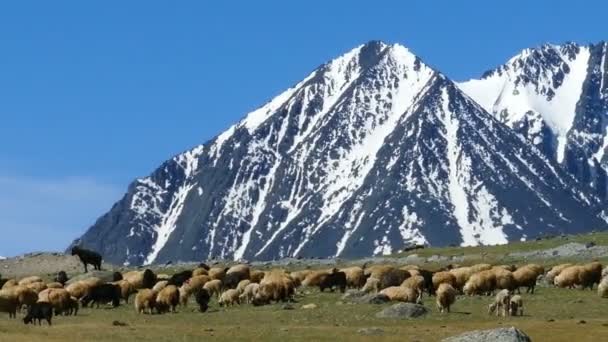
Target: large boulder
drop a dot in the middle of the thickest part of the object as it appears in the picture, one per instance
(403, 311)
(106, 276)
(511, 334)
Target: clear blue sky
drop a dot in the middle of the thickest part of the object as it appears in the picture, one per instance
(96, 93)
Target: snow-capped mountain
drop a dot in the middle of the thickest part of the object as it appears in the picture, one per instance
(557, 97)
(371, 152)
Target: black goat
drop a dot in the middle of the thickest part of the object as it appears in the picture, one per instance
(39, 311)
(87, 257)
(180, 278)
(334, 279)
(61, 277)
(102, 294)
(202, 299)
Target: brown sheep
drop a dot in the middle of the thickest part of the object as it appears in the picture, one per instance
(415, 282)
(73, 307)
(77, 289)
(461, 275)
(444, 277)
(8, 303)
(590, 275)
(377, 271)
(229, 298)
(315, 277)
(504, 279)
(197, 282)
(126, 289)
(536, 268)
(160, 285)
(217, 273)
(25, 295)
(299, 276)
(141, 279)
(355, 278)
(242, 269)
(568, 277)
(480, 267)
(525, 277)
(199, 271)
(60, 299)
(402, 294)
(29, 280)
(145, 300)
(54, 285)
(276, 286)
(214, 287)
(162, 276)
(37, 286)
(256, 276)
(10, 283)
(241, 286)
(92, 282)
(602, 288)
(446, 296)
(555, 271)
(190, 287)
(167, 299)
(480, 283)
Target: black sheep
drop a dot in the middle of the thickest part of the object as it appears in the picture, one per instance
(61, 277)
(149, 279)
(117, 276)
(204, 266)
(180, 278)
(202, 298)
(334, 279)
(39, 311)
(87, 257)
(232, 280)
(393, 277)
(102, 294)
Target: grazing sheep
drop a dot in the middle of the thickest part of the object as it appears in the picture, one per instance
(555, 271)
(180, 278)
(480, 267)
(160, 285)
(298, 276)
(25, 295)
(87, 257)
(73, 307)
(61, 277)
(536, 268)
(516, 306)
(502, 301)
(229, 298)
(590, 275)
(202, 299)
(446, 296)
(393, 277)
(167, 299)
(525, 277)
(249, 293)
(276, 286)
(335, 279)
(377, 271)
(355, 277)
(402, 294)
(37, 287)
(145, 300)
(256, 276)
(480, 283)
(92, 282)
(242, 284)
(59, 298)
(30, 280)
(117, 276)
(39, 312)
(243, 271)
(461, 276)
(199, 271)
(314, 277)
(415, 282)
(214, 287)
(372, 285)
(509, 268)
(443, 277)
(10, 283)
(54, 285)
(504, 279)
(102, 294)
(217, 273)
(126, 289)
(141, 279)
(568, 277)
(78, 289)
(162, 277)
(8, 303)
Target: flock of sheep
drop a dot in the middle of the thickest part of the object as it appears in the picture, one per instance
(240, 284)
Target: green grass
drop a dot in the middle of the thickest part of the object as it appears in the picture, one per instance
(551, 314)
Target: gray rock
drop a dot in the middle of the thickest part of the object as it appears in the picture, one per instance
(359, 297)
(371, 331)
(105, 276)
(403, 311)
(511, 334)
(287, 306)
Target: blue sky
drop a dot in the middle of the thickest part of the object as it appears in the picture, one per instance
(94, 94)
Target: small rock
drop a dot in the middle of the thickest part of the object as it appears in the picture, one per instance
(550, 320)
(119, 324)
(284, 329)
(287, 306)
(590, 244)
(403, 311)
(371, 331)
(495, 335)
(309, 306)
(209, 329)
(582, 321)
